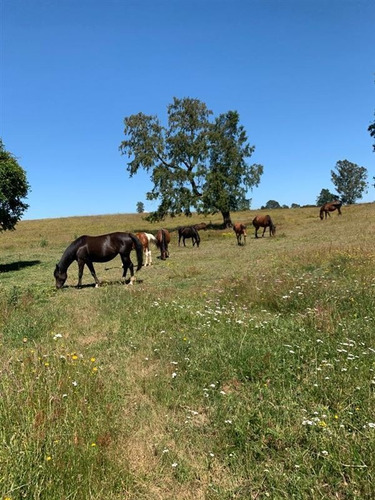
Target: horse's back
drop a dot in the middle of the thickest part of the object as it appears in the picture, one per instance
(239, 228)
(262, 220)
(163, 233)
(201, 225)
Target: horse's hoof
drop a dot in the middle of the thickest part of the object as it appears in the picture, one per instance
(97, 285)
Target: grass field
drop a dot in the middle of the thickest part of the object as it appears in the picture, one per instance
(225, 372)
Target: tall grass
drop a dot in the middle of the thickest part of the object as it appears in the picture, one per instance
(224, 372)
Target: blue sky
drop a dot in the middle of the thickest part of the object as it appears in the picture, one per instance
(301, 74)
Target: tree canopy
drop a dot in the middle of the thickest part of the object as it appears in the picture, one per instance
(195, 163)
(13, 188)
(325, 196)
(271, 204)
(350, 180)
(140, 207)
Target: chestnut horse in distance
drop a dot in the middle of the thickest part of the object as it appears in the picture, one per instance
(330, 207)
(264, 221)
(240, 231)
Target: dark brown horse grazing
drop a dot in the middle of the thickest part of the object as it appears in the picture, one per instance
(185, 232)
(240, 230)
(330, 207)
(264, 221)
(89, 249)
(163, 238)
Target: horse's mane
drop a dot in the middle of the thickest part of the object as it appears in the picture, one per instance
(70, 253)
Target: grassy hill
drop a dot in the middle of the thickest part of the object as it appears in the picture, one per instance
(224, 372)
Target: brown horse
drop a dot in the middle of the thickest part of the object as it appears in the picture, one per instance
(147, 239)
(330, 207)
(185, 232)
(201, 225)
(264, 221)
(240, 231)
(163, 238)
(89, 249)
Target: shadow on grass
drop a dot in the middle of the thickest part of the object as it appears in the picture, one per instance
(106, 283)
(16, 266)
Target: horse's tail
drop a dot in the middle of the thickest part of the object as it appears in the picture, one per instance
(139, 250)
(163, 244)
(151, 239)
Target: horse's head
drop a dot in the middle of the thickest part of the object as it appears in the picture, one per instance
(273, 230)
(60, 276)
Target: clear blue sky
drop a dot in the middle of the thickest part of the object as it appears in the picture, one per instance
(299, 72)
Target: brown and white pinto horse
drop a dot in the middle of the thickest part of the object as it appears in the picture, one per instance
(147, 239)
(163, 238)
(240, 230)
(264, 221)
(330, 207)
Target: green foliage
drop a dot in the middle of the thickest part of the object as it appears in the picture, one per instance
(325, 196)
(13, 187)
(140, 207)
(271, 204)
(350, 181)
(195, 164)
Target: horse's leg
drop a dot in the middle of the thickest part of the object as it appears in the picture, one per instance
(264, 230)
(339, 210)
(183, 240)
(81, 265)
(92, 271)
(150, 256)
(256, 232)
(128, 264)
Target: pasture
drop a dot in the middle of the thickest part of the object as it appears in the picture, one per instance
(224, 372)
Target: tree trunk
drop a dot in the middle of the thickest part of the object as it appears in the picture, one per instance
(227, 221)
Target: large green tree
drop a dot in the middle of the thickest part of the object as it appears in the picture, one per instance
(13, 188)
(325, 196)
(350, 180)
(195, 163)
